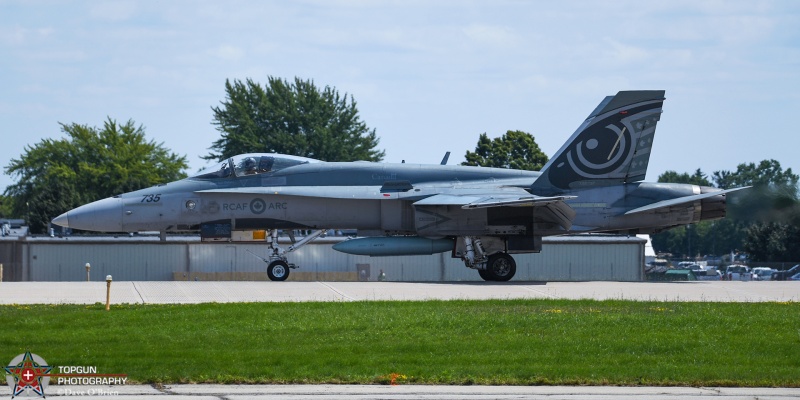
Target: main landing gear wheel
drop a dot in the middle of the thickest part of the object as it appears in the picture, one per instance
(278, 270)
(500, 267)
(484, 275)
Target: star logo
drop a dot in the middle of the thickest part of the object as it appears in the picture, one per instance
(28, 372)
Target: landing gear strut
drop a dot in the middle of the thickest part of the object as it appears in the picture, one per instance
(278, 265)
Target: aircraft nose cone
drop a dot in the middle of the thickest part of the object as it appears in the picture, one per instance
(62, 220)
(102, 215)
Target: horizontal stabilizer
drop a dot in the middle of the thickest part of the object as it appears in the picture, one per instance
(681, 200)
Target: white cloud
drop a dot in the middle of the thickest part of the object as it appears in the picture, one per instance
(13, 35)
(113, 11)
(227, 53)
(448, 69)
(617, 54)
(491, 36)
(19, 36)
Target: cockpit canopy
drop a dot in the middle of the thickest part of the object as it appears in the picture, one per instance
(252, 164)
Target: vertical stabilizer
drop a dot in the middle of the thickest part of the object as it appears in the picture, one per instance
(611, 147)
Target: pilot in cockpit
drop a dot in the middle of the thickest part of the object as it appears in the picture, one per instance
(249, 166)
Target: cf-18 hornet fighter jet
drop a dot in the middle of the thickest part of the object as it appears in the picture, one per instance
(480, 215)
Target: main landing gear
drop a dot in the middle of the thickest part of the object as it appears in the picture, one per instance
(278, 265)
(498, 267)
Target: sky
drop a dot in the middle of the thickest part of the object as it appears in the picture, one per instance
(428, 76)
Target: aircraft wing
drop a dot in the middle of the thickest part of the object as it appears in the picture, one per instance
(548, 209)
(680, 200)
(487, 200)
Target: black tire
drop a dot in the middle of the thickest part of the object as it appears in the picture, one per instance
(501, 267)
(278, 270)
(484, 275)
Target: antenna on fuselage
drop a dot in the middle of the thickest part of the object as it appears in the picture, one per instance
(446, 157)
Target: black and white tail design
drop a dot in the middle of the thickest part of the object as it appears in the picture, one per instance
(611, 147)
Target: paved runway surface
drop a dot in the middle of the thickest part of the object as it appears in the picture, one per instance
(226, 292)
(199, 292)
(364, 392)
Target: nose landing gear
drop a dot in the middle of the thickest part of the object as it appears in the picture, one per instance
(278, 266)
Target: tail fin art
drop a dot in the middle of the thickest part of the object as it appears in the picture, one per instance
(611, 147)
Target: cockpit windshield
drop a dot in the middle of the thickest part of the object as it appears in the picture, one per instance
(221, 170)
(252, 164)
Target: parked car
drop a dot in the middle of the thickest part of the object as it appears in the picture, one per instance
(763, 274)
(737, 273)
(690, 265)
(710, 274)
(784, 275)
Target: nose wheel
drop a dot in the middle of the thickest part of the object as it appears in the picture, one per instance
(278, 265)
(278, 270)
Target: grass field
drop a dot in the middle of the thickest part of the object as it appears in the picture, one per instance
(514, 342)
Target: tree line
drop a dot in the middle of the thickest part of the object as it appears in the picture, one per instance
(763, 221)
(299, 118)
(92, 163)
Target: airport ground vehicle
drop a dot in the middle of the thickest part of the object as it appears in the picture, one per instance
(737, 273)
(763, 274)
(784, 275)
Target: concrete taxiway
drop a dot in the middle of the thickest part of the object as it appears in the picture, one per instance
(199, 292)
(228, 292)
(359, 392)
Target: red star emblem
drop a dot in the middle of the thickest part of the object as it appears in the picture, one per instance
(28, 374)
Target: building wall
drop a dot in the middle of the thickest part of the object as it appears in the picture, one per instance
(562, 259)
(125, 262)
(13, 254)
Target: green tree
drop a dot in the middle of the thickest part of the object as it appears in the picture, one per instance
(773, 241)
(698, 178)
(291, 118)
(763, 220)
(769, 212)
(690, 240)
(766, 173)
(515, 149)
(54, 176)
(5, 207)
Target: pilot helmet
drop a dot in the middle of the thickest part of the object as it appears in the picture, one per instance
(249, 164)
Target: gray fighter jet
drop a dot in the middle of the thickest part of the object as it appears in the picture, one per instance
(480, 215)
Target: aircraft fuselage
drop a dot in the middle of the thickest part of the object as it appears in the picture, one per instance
(189, 203)
(592, 184)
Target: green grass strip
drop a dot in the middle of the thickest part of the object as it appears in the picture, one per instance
(509, 342)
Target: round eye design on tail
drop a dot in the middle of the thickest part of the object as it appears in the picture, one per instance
(600, 152)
